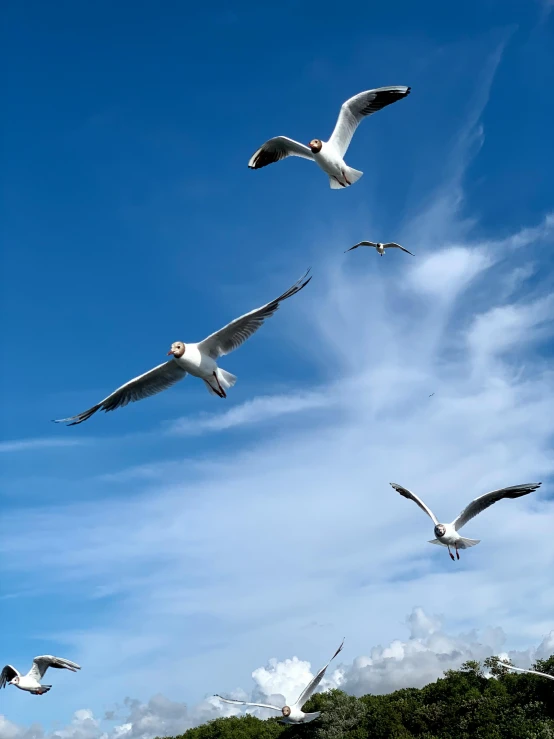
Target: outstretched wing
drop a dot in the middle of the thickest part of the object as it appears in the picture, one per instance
(311, 688)
(394, 245)
(360, 106)
(235, 333)
(412, 496)
(276, 149)
(246, 703)
(528, 672)
(361, 243)
(484, 501)
(160, 378)
(7, 674)
(42, 663)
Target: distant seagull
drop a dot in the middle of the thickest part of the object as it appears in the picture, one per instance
(528, 672)
(329, 154)
(431, 395)
(447, 533)
(293, 714)
(31, 681)
(380, 247)
(198, 360)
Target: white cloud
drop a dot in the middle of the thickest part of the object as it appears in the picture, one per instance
(24, 445)
(261, 409)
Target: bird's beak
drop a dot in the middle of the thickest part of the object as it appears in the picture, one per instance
(169, 352)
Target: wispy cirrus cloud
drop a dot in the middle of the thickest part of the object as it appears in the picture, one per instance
(25, 445)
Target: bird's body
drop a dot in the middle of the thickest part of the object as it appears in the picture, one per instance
(329, 155)
(293, 714)
(447, 533)
(380, 247)
(196, 359)
(31, 682)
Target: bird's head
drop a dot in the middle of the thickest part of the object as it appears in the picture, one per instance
(285, 711)
(177, 349)
(315, 145)
(440, 530)
(14, 681)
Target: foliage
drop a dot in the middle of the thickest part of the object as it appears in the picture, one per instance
(464, 704)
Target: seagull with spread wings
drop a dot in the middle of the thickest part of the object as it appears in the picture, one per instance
(31, 681)
(293, 714)
(199, 360)
(380, 247)
(447, 533)
(329, 155)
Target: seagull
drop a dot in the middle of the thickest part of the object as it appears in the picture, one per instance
(447, 533)
(380, 247)
(31, 681)
(528, 672)
(199, 360)
(329, 154)
(293, 714)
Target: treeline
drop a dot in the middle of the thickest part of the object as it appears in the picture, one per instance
(464, 704)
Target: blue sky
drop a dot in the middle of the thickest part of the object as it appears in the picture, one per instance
(209, 536)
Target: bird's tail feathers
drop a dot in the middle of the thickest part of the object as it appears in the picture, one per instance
(353, 175)
(466, 543)
(335, 184)
(226, 379)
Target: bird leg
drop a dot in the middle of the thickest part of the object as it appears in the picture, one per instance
(346, 178)
(450, 553)
(340, 183)
(222, 393)
(457, 552)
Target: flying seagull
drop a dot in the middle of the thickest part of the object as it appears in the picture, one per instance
(447, 533)
(31, 681)
(528, 672)
(380, 247)
(199, 360)
(293, 714)
(329, 154)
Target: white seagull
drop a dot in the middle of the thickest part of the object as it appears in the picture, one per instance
(31, 681)
(329, 154)
(293, 714)
(447, 533)
(199, 360)
(380, 247)
(528, 672)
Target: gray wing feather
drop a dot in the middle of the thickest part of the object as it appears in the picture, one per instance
(360, 106)
(412, 496)
(486, 500)
(276, 149)
(528, 672)
(235, 333)
(393, 244)
(42, 663)
(7, 674)
(246, 703)
(361, 243)
(311, 688)
(150, 383)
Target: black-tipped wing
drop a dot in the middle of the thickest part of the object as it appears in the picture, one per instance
(42, 663)
(360, 106)
(246, 703)
(412, 496)
(276, 149)
(311, 688)
(394, 245)
(235, 333)
(160, 378)
(7, 674)
(486, 500)
(362, 243)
